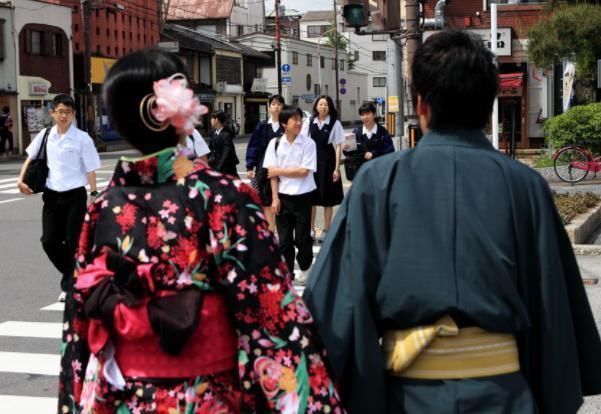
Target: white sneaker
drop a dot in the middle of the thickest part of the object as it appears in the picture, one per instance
(62, 297)
(322, 236)
(302, 279)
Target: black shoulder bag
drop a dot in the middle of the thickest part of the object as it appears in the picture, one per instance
(264, 183)
(37, 170)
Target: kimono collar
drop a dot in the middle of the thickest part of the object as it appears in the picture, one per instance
(456, 137)
(158, 168)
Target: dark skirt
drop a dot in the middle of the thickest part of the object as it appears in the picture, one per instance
(328, 192)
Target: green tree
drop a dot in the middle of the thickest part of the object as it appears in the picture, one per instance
(569, 32)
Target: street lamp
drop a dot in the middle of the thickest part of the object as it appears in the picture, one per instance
(319, 56)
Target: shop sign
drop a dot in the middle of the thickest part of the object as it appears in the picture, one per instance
(38, 88)
(503, 40)
(393, 104)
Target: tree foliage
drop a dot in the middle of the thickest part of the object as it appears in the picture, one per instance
(581, 125)
(568, 32)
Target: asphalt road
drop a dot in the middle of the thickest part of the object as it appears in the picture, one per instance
(29, 283)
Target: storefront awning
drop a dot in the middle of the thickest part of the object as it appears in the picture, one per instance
(511, 80)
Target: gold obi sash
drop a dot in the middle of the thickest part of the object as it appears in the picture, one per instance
(443, 351)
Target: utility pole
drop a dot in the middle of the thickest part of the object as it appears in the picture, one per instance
(336, 63)
(278, 51)
(87, 58)
(414, 40)
(395, 76)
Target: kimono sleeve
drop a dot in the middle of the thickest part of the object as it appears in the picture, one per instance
(342, 289)
(281, 362)
(560, 354)
(75, 352)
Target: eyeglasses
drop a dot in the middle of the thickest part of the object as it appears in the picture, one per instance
(61, 113)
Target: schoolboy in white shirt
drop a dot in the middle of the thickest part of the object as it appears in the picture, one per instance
(291, 169)
(72, 161)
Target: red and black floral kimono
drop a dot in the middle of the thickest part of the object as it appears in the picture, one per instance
(182, 303)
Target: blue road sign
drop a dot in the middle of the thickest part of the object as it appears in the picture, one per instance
(285, 67)
(379, 100)
(286, 79)
(342, 91)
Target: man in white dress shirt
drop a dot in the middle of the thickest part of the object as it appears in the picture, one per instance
(291, 167)
(72, 161)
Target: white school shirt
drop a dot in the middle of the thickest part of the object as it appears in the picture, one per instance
(70, 158)
(300, 154)
(336, 134)
(199, 145)
(275, 125)
(371, 132)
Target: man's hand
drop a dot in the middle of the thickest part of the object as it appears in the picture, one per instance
(24, 188)
(369, 155)
(336, 175)
(273, 172)
(250, 174)
(345, 147)
(276, 205)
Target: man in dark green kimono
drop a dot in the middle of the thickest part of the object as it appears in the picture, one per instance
(453, 227)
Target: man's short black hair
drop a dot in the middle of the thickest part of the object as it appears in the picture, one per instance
(220, 115)
(5, 109)
(63, 99)
(288, 112)
(455, 74)
(278, 98)
(367, 107)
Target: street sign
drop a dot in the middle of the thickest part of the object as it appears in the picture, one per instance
(342, 81)
(285, 68)
(379, 100)
(342, 91)
(286, 79)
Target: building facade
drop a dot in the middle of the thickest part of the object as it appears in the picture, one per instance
(303, 65)
(8, 60)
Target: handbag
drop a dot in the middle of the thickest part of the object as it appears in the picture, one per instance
(37, 170)
(262, 182)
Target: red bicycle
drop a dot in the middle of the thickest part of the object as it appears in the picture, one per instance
(573, 163)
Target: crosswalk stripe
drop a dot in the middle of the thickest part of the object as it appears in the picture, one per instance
(11, 184)
(10, 200)
(28, 363)
(8, 180)
(31, 329)
(58, 306)
(27, 405)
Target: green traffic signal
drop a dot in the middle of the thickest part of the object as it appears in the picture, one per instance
(354, 15)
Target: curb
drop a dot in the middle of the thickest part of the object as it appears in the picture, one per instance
(584, 225)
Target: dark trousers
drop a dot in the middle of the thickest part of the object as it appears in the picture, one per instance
(294, 229)
(6, 136)
(62, 218)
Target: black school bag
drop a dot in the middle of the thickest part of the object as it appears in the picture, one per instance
(263, 182)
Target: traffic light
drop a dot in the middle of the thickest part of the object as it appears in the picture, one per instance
(355, 13)
(377, 15)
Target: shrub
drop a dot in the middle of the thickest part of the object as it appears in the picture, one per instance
(581, 125)
(570, 205)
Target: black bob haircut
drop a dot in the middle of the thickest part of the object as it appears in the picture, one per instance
(129, 80)
(64, 99)
(455, 74)
(288, 112)
(331, 108)
(278, 98)
(367, 107)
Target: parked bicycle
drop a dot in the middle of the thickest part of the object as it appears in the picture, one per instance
(573, 163)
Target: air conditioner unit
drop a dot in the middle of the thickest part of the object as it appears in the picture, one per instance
(221, 86)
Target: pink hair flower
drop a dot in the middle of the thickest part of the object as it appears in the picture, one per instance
(175, 103)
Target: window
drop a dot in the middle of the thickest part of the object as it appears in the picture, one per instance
(309, 59)
(116, 50)
(378, 37)
(2, 39)
(379, 55)
(316, 31)
(55, 48)
(341, 67)
(108, 32)
(295, 58)
(116, 34)
(108, 50)
(317, 89)
(240, 30)
(75, 28)
(97, 31)
(379, 82)
(333, 63)
(356, 56)
(322, 62)
(35, 44)
(98, 49)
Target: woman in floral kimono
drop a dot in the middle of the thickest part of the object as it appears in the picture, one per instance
(181, 302)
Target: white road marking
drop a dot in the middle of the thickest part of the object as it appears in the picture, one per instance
(11, 200)
(28, 363)
(27, 405)
(8, 180)
(31, 329)
(58, 306)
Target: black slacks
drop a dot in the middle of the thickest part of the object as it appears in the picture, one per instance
(62, 218)
(294, 229)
